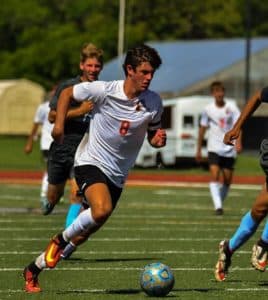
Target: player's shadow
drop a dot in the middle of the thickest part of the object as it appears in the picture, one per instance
(173, 294)
(109, 292)
(100, 260)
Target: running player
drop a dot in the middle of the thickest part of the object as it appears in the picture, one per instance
(123, 112)
(41, 119)
(61, 156)
(252, 219)
(219, 117)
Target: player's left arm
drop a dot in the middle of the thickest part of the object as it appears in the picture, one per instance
(157, 138)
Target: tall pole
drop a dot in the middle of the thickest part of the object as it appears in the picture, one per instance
(121, 27)
(248, 50)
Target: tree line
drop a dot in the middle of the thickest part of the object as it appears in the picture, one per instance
(40, 40)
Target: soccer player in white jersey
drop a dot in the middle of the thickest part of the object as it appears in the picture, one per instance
(124, 111)
(41, 119)
(218, 118)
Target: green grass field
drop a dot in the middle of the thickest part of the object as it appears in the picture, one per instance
(174, 226)
(14, 158)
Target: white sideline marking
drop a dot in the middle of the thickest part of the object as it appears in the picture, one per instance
(26, 239)
(124, 252)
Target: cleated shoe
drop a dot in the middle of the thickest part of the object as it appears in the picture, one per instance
(46, 207)
(54, 251)
(31, 282)
(224, 261)
(259, 256)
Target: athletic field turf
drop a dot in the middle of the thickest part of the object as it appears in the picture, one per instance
(176, 226)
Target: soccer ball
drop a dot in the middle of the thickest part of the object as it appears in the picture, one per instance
(157, 279)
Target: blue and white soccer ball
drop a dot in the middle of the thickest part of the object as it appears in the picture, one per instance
(157, 279)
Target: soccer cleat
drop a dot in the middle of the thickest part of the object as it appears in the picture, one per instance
(259, 257)
(224, 261)
(54, 251)
(31, 282)
(46, 207)
(219, 212)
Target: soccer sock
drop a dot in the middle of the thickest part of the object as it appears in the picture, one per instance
(73, 212)
(40, 261)
(224, 191)
(245, 230)
(83, 222)
(215, 194)
(264, 235)
(34, 268)
(44, 185)
(68, 250)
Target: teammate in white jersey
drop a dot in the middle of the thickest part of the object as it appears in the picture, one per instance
(41, 119)
(218, 118)
(124, 111)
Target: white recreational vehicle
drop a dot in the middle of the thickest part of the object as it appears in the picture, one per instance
(181, 120)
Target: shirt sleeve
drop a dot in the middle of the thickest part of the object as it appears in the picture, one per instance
(38, 117)
(89, 91)
(264, 95)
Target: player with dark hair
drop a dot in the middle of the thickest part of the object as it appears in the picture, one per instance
(252, 219)
(124, 111)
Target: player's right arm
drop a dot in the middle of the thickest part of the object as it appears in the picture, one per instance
(63, 103)
(201, 134)
(252, 104)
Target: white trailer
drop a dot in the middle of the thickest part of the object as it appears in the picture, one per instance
(181, 118)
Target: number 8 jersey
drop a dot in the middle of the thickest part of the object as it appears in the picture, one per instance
(118, 126)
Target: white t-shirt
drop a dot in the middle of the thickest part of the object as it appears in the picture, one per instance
(41, 117)
(219, 120)
(118, 126)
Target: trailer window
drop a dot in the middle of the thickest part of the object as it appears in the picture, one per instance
(188, 121)
(167, 117)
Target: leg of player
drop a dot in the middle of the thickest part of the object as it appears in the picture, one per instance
(248, 226)
(259, 258)
(75, 206)
(214, 187)
(226, 248)
(91, 218)
(44, 186)
(54, 193)
(227, 179)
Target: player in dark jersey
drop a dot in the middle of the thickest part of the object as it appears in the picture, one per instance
(252, 219)
(61, 156)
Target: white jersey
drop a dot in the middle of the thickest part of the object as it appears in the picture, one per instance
(41, 117)
(118, 127)
(219, 120)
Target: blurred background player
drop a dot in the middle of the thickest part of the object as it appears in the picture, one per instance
(219, 117)
(124, 111)
(41, 119)
(61, 156)
(252, 219)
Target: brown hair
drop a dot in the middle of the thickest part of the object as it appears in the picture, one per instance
(216, 84)
(141, 54)
(89, 50)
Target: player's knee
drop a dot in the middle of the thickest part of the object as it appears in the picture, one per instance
(258, 214)
(101, 213)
